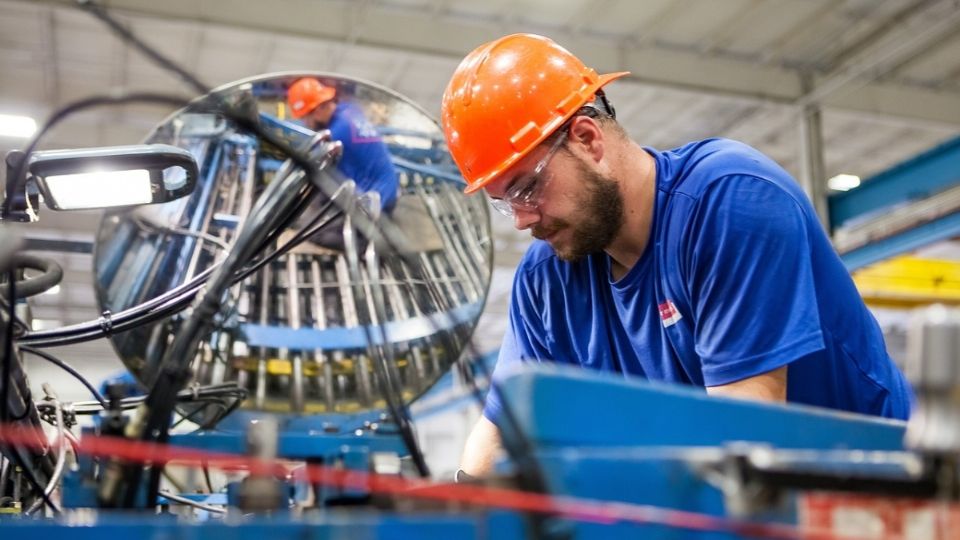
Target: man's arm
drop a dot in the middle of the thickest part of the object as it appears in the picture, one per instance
(769, 386)
(482, 448)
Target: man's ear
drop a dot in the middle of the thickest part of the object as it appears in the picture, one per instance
(587, 136)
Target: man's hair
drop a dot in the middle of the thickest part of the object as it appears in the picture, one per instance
(601, 110)
(605, 119)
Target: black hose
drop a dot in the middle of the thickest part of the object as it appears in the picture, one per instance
(51, 276)
(69, 369)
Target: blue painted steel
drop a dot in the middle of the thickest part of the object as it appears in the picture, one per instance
(429, 170)
(570, 407)
(296, 445)
(258, 335)
(333, 526)
(922, 176)
(600, 437)
(596, 437)
(940, 229)
(660, 481)
(285, 129)
(306, 423)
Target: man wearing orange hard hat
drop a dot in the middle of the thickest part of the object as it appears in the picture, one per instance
(366, 159)
(703, 265)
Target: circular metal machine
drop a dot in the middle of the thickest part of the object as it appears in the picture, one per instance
(297, 333)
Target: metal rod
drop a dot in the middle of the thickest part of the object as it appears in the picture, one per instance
(260, 394)
(293, 319)
(324, 374)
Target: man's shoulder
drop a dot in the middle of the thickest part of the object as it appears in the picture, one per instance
(697, 166)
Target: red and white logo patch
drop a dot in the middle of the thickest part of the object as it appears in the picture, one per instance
(669, 315)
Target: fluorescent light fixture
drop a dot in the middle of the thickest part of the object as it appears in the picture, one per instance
(101, 189)
(113, 176)
(843, 182)
(22, 127)
(53, 290)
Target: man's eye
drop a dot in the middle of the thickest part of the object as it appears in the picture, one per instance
(527, 190)
(516, 189)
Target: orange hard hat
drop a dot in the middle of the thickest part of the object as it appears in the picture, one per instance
(307, 94)
(506, 97)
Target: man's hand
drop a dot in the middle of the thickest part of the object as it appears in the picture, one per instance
(482, 448)
(770, 386)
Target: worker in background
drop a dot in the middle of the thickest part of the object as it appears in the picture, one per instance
(703, 265)
(365, 160)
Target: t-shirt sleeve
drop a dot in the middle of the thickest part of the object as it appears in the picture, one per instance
(751, 280)
(522, 341)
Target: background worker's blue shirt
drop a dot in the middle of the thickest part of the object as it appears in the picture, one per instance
(738, 279)
(366, 159)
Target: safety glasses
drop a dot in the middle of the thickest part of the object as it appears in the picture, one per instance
(525, 191)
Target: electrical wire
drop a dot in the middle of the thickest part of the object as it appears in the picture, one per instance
(269, 210)
(158, 307)
(5, 306)
(295, 156)
(400, 416)
(69, 369)
(195, 504)
(61, 458)
(580, 509)
(198, 394)
(156, 227)
(5, 390)
(8, 345)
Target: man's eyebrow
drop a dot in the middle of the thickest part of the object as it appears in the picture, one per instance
(510, 185)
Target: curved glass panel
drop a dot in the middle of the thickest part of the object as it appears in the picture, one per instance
(297, 333)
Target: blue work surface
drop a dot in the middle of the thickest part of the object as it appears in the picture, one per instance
(558, 406)
(340, 525)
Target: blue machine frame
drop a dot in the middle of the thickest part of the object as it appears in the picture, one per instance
(921, 177)
(608, 441)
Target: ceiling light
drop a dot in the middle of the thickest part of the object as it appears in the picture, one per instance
(99, 189)
(17, 126)
(843, 182)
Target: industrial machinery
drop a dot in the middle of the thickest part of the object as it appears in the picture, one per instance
(269, 341)
(274, 374)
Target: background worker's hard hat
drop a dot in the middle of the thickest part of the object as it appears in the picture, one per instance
(506, 97)
(307, 94)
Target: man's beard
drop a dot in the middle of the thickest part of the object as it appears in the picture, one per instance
(599, 220)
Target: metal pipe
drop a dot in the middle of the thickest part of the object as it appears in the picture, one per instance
(452, 250)
(260, 393)
(293, 319)
(324, 374)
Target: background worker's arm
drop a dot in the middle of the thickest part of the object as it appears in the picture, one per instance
(770, 386)
(482, 448)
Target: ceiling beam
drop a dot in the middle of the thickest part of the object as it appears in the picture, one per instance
(884, 52)
(773, 53)
(881, 30)
(451, 36)
(51, 60)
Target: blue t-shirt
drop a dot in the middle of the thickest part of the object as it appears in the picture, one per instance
(365, 159)
(738, 279)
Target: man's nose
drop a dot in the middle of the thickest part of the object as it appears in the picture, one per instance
(524, 218)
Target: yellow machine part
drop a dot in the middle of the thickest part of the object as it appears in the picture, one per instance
(909, 281)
